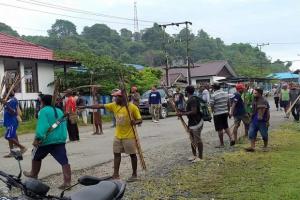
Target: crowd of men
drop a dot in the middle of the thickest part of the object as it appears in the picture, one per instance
(56, 122)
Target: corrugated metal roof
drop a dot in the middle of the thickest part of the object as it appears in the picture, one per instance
(284, 75)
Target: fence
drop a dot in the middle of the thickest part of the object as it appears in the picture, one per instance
(28, 107)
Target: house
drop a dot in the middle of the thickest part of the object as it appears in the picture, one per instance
(35, 63)
(207, 72)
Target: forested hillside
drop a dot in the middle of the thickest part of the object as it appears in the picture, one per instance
(145, 47)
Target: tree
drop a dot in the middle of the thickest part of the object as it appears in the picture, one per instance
(8, 30)
(126, 34)
(101, 33)
(153, 37)
(62, 28)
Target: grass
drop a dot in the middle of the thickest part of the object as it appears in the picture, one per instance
(29, 126)
(24, 128)
(236, 175)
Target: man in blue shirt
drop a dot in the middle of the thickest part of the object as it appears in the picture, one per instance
(260, 119)
(238, 111)
(154, 103)
(11, 123)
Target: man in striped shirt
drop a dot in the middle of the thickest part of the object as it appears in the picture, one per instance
(219, 103)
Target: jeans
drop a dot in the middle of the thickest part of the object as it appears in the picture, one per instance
(260, 126)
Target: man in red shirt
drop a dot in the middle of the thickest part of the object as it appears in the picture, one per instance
(70, 109)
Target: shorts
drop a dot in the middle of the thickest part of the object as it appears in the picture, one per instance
(11, 132)
(221, 121)
(58, 151)
(124, 146)
(284, 104)
(195, 132)
(261, 127)
(245, 118)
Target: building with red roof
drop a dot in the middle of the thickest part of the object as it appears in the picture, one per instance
(33, 62)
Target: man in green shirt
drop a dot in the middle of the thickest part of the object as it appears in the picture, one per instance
(50, 138)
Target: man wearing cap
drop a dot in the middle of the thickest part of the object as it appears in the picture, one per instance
(238, 111)
(259, 120)
(219, 103)
(124, 141)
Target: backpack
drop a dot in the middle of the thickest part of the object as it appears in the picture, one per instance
(204, 110)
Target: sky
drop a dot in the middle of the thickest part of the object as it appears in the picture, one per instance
(248, 21)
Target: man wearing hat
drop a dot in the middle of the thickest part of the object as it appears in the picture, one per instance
(124, 141)
(238, 111)
(259, 120)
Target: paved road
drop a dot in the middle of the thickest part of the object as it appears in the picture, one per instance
(95, 150)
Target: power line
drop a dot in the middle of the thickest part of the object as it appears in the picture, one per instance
(75, 10)
(64, 15)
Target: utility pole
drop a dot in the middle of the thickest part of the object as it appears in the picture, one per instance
(166, 54)
(164, 26)
(187, 51)
(260, 56)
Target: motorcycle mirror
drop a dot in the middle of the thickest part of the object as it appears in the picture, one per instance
(17, 154)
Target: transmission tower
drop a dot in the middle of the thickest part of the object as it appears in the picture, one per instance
(136, 21)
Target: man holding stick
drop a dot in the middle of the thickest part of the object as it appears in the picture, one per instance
(11, 123)
(50, 138)
(124, 141)
(195, 123)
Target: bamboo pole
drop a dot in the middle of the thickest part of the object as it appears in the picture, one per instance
(137, 139)
(292, 105)
(185, 126)
(15, 83)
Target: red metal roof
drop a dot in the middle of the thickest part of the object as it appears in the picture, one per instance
(15, 47)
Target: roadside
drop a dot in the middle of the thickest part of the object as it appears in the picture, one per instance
(233, 175)
(165, 147)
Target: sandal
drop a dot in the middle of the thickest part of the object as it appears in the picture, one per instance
(249, 149)
(8, 156)
(132, 179)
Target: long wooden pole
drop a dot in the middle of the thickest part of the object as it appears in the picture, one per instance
(185, 126)
(15, 83)
(3, 81)
(136, 136)
(292, 105)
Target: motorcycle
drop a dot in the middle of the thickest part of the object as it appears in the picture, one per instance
(95, 188)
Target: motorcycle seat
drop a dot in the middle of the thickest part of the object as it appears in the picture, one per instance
(105, 190)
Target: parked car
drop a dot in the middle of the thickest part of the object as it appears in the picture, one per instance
(144, 104)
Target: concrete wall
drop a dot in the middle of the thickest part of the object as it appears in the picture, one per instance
(45, 76)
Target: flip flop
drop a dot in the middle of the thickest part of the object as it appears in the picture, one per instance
(132, 179)
(8, 156)
(249, 149)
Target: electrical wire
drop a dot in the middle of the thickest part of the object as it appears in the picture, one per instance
(64, 15)
(75, 10)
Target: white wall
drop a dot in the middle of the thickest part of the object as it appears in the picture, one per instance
(45, 76)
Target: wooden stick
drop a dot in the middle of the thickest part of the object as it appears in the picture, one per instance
(55, 91)
(136, 136)
(85, 86)
(291, 107)
(16, 82)
(3, 81)
(185, 126)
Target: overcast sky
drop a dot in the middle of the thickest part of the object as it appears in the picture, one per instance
(254, 21)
